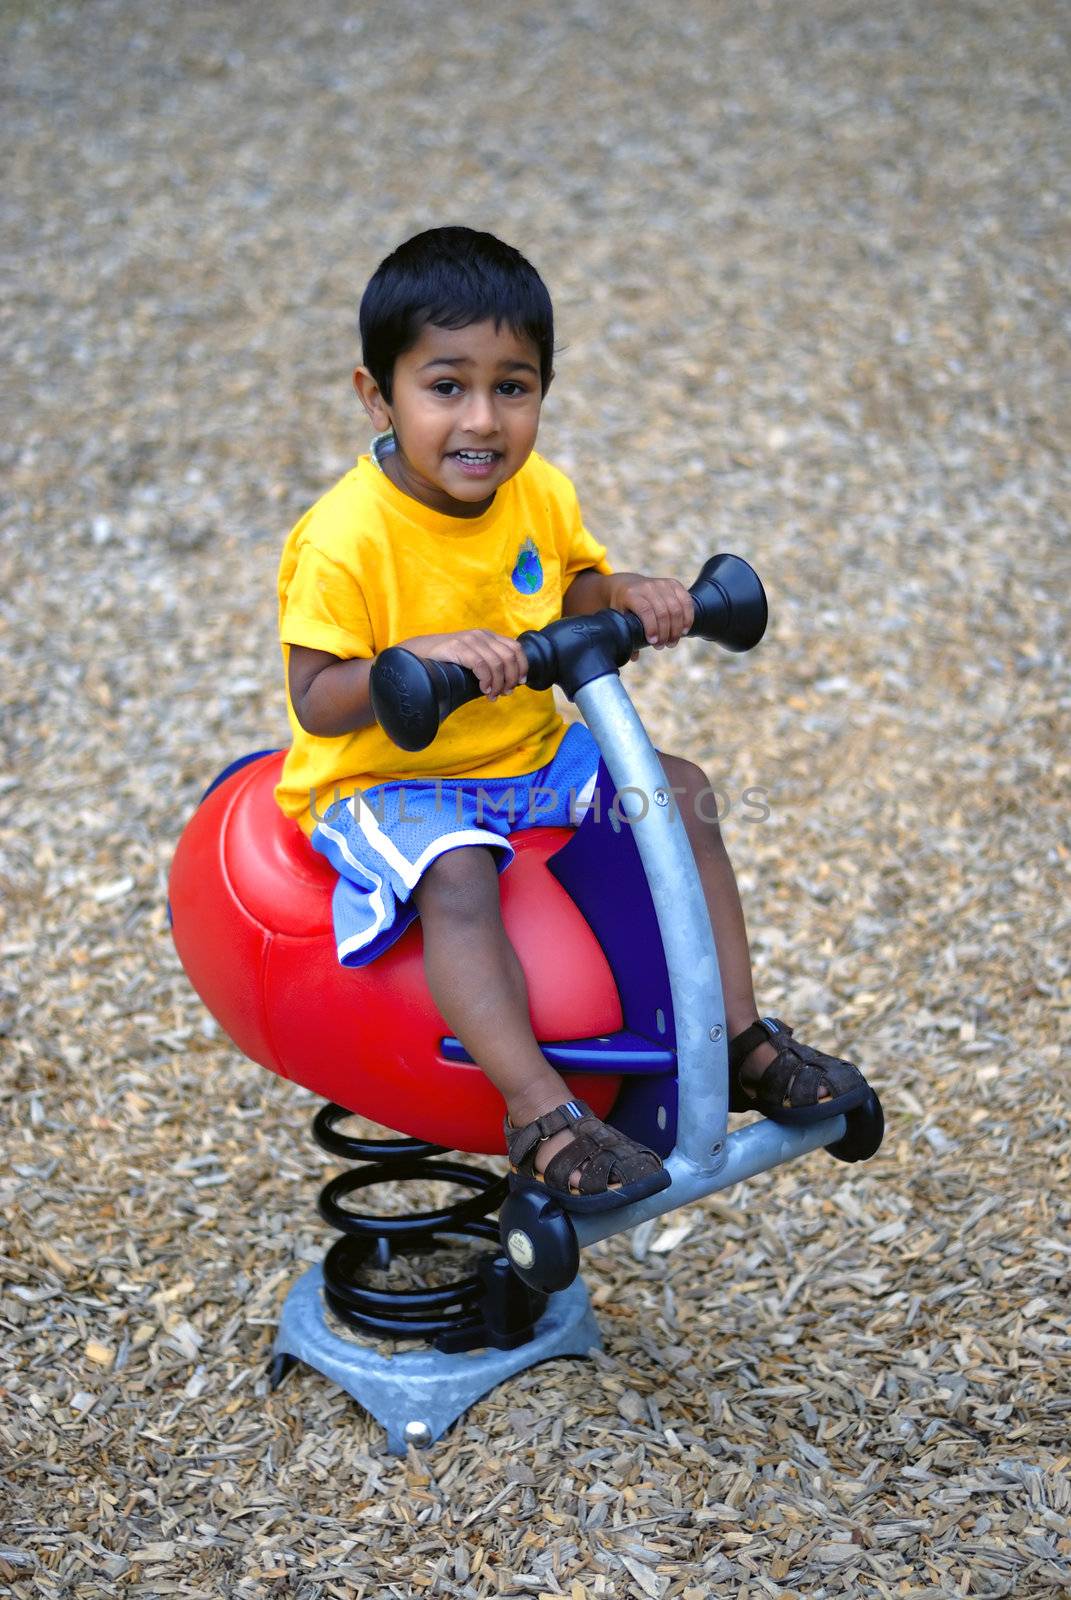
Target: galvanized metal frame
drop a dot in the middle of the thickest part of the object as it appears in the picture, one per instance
(706, 1156)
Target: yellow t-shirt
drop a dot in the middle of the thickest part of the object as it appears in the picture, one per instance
(369, 566)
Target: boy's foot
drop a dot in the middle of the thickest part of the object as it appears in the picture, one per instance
(585, 1165)
(787, 1081)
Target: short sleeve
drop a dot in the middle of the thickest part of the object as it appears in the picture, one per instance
(583, 550)
(322, 607)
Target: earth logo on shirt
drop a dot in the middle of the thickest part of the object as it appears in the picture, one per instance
(527, 574)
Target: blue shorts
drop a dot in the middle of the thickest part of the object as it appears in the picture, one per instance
(381, 840)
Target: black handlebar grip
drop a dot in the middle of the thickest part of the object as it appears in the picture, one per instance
(411, 696)
(730, 604)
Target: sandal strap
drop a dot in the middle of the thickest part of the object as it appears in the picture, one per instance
(602, 1156)
(523, 1142)
(758, 1033)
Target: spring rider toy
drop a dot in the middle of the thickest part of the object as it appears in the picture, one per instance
(612, 931)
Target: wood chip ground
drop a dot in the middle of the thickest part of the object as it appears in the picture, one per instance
(810, 263)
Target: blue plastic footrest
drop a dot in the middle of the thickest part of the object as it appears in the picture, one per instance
(611, 1052)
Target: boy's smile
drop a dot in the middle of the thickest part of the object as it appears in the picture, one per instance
(465, 412)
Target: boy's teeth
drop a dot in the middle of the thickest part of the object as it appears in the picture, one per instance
(476, 455)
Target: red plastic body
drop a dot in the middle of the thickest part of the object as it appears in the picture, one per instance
(251, 911)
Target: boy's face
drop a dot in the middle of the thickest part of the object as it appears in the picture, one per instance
(465, 412)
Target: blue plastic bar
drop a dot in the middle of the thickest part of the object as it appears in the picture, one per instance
(611, 1052)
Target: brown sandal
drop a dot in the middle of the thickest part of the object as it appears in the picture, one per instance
(613, 1170)
(790, 1088)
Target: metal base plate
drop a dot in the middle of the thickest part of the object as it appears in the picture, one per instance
(417, 1394)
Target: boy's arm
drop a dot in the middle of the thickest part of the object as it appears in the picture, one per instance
(331, 696)
(663, 605)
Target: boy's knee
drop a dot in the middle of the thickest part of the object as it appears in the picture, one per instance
(696, 799)
(683, 774)
(685, 778)
(459, 883)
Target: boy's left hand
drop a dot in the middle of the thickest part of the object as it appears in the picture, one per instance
(663, 605)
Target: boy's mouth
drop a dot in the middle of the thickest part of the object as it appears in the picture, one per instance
(476, 463)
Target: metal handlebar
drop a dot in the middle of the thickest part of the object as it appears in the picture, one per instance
(412, 697)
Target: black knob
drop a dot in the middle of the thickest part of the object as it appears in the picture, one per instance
(730, 604)
(411, 696)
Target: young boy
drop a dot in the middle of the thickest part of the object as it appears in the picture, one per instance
(451, 537)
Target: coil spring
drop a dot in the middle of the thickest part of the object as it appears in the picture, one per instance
(488, 1306)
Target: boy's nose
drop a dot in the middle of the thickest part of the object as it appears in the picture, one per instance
(480, 415)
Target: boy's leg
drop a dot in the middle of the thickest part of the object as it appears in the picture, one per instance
(478, 984)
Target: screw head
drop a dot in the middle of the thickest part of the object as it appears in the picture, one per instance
(716, 1032)
(661, 797)
(416, 1432)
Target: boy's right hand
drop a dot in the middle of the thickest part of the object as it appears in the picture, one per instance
(499, 663)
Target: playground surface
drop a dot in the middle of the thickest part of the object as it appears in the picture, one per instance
(811, 270)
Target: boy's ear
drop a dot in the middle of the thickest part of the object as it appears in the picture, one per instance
(371, 397)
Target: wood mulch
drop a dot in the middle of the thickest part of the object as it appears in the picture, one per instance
(810, 264)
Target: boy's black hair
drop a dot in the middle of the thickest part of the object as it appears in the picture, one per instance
(451, 278)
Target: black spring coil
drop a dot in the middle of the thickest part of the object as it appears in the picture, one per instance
(489, 1306)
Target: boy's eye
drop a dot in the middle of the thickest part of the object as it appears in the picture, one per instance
(446, 386)
(510, 388)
